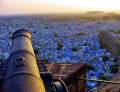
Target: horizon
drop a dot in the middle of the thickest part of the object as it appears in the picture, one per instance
(26, 7)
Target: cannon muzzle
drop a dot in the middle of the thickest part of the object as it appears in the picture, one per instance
(22, 74)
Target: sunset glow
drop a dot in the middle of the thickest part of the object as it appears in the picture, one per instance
(57, 6)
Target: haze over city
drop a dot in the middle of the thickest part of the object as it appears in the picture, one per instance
(10, 7)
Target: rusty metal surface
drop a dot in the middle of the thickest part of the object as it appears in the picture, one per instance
(22, 42)
(22, 74)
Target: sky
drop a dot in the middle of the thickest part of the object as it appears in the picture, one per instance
(9, 7)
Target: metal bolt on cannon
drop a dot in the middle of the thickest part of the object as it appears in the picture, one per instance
(21, 70)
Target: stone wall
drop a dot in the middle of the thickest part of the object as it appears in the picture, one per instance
(110, 41)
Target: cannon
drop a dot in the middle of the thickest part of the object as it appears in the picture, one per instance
(21, 72)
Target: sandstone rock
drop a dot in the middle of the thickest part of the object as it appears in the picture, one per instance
(110, 41)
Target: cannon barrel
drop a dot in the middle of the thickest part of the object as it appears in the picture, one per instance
(22, 74)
